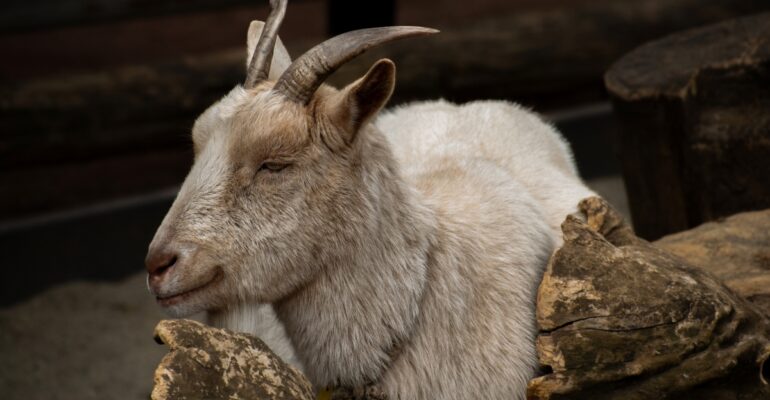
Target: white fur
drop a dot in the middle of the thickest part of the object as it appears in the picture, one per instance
(259, 320)
(426, 134)
(430, 233)
(497, 182)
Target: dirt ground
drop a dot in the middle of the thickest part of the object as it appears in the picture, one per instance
(81, 341)
(93, 340)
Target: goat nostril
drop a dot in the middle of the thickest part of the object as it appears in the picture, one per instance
(160, 263)
(170, 263)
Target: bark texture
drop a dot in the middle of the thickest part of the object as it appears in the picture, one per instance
(210, 363)
(695, 131)
(622, 318)
(736, 250)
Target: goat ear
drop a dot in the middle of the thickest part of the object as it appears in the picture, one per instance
(281, 59)
(362, 99)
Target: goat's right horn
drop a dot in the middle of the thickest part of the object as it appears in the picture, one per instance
(259, 66)
(303, 77)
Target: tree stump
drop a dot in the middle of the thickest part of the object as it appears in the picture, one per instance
(695, 128)
(620, 318)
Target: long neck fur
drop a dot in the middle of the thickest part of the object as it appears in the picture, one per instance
(372, 275)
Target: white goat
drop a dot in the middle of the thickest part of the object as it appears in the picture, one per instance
(401, 255)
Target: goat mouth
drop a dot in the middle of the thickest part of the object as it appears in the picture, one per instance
(174, 299)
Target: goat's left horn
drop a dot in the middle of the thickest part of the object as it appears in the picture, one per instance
(303, 77)
(259, 66)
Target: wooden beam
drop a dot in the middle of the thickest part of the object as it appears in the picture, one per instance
(525, 57)
(20, 15)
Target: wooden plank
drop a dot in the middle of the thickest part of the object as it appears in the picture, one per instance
(32, 190)
(519, 57)
(95, 115)
(100, 47)
(524, 57)
(16, 15)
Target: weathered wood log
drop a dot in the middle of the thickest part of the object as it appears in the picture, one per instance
(620, 318)
(56, 131)
(695, 131)
(736, 250)
(210, 363)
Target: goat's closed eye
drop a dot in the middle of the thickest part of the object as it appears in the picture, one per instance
(272, 166)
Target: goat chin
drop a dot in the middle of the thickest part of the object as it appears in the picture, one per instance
(259, 320)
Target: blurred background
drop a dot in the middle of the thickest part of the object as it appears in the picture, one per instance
(97, 98)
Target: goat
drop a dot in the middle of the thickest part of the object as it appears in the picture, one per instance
(400, 253)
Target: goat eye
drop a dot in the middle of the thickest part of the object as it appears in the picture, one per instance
(272, 166)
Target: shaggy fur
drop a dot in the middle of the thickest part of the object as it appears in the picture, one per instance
(403, 253)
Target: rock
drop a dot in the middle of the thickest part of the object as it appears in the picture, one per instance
(622, 318)
(210, 363)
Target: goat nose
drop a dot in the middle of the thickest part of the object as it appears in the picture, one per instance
(159, 261)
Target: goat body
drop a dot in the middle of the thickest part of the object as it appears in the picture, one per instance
(462, 220)
(401, 251)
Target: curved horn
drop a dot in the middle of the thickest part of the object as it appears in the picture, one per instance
(303, 77)
(259, 67)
